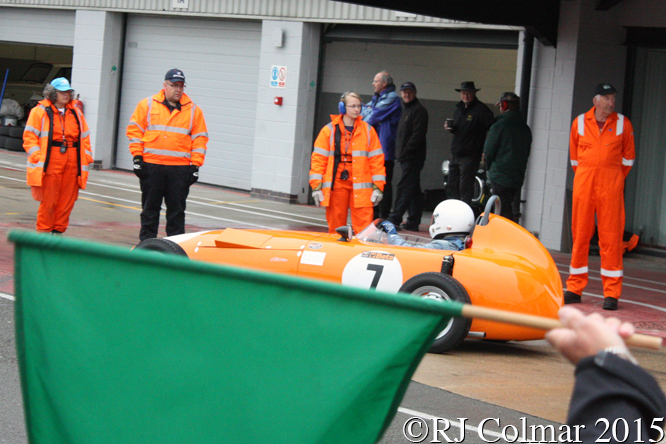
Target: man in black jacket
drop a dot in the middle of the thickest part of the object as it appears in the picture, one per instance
(410, 146)
(471, 121)
(614, 400)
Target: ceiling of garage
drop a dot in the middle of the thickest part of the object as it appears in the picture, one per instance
(540, 17)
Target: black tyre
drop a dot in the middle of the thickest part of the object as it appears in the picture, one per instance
(14, 144)
(3, 140)
(16, 132)
(441, 287)
(162, 245)
(4, 130)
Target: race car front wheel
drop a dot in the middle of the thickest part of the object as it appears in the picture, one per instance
(441, 287)
(162, 245)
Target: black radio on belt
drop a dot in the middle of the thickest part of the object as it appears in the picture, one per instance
(63, 145)
(344, 175)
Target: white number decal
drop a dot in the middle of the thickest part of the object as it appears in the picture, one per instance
(374, 269)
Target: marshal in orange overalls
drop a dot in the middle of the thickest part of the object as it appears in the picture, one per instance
(601, 160)
(363, 159)
(58, 157)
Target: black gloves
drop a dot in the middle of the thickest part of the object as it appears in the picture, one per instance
(139, 168)
(193, 174)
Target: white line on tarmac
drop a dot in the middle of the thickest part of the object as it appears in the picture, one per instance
(259, 212)
(262, 210)
(7, 296)
(628, 301)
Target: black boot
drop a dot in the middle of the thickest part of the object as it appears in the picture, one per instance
(571, 298)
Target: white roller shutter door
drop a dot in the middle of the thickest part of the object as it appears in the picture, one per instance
(37, 26)
(220, 60)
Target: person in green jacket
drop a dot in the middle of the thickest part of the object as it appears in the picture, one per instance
(505, 152)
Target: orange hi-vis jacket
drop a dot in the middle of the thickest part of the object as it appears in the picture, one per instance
(601, 160)
(168, 138)
(367, 164)
(41, 133)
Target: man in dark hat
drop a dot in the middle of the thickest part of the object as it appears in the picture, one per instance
(601, 149)
(168, 140)
(471, 121)
(410, 152)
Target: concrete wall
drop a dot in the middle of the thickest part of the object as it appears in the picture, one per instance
(283, 133)
(95, 76)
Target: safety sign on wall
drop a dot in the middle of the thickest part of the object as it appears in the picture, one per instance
(278, 76)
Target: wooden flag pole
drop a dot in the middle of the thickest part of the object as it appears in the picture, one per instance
(490, 314)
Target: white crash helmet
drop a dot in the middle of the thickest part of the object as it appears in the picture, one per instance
(452, 217)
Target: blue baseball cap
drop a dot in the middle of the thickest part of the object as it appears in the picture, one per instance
(61, 84)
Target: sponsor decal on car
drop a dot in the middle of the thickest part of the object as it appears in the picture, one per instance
(378, 255)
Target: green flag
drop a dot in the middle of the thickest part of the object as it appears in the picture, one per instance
(120, 346)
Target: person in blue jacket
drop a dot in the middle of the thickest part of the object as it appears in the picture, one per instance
(383, 113)
(452, 221)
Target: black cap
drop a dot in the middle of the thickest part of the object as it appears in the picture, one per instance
(467, 86)
(603, 89)
(407, 85)
(175, 75)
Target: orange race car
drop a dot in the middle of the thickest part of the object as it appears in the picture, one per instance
(504, 267)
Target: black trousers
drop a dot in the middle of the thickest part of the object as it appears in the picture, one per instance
(408, 196)
(508, 198)
(168, 183)
(384, 208)
(462, 171)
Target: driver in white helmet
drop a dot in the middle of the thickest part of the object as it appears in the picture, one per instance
(452, 222)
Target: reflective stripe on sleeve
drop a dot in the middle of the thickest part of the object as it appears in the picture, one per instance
(627, 162)
(359, 153)
(612, 273)
(137, 125)
(135, 141)
(581, 270)
(581, 125)
(574, 163)
(30, 129)
(36, 165)
(85, 134)
(378, 178)
(326, 185)
(316, 177)
(204, 134)
(375, 153)
(84, 167)
(321, 151)
(33, 149)
(199, 150)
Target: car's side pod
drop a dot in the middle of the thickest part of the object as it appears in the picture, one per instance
(447, 265)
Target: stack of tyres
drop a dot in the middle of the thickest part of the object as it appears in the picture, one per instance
(11, 138)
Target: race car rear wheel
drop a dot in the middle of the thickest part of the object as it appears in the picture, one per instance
(162, 245)
(440, 287)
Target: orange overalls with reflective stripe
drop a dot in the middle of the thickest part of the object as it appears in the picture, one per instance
(601, 160)
(362, 157)
(57, 162)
